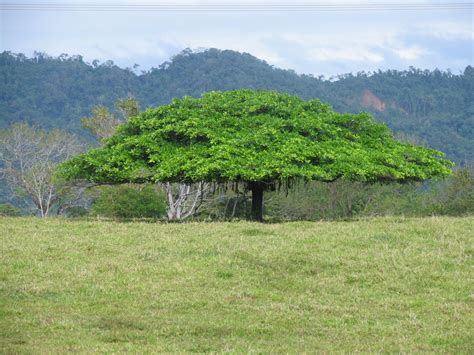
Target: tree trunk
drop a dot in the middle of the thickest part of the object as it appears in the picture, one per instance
(183, 199)
(257, 201)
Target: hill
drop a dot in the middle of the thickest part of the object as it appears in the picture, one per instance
(434, 108)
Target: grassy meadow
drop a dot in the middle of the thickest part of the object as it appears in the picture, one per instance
(381, 284)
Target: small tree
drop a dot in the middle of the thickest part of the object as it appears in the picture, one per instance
(29, 157)
(260, 139)
(104, 123)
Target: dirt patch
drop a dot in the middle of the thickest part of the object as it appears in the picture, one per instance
(371, 101)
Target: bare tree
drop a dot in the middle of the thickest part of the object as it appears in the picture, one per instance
(28, 157)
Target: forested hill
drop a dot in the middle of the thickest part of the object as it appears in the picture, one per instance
(434, 108)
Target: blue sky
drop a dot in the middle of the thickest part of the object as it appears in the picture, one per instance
(320, 43)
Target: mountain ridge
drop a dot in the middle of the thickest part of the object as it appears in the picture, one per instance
(434, 107)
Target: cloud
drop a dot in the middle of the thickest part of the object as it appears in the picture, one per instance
(447, 30)
(318, 43)
(410, 53)
(345, 54)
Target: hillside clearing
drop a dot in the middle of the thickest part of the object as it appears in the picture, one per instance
(383, 284)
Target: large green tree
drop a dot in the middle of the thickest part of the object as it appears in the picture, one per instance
(258, 139)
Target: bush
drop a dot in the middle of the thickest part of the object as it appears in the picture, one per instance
(341, 199)
(455, 195)
(7, 209)
(76, 212)
(129, 201)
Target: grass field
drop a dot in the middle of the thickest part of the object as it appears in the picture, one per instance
(385, 284)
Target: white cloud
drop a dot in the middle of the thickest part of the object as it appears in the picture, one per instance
(410, 53)
(345, 54)
(309, 42)
(448, 30)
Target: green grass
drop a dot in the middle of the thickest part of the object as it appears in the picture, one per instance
(385, 284)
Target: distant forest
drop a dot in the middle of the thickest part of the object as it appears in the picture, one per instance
(432, 108)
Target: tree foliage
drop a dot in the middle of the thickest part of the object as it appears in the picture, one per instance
(103, 123)
(257, 138)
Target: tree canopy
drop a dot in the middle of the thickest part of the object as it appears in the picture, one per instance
(259, 138)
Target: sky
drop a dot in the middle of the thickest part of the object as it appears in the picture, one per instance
(311, 42)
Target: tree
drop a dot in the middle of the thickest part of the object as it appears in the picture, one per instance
(102, 123)
(260, 139)
(29, 157)
(128, 107)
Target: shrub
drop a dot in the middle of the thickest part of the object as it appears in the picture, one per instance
(7, 209)
(129, 201)
(455, 195)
